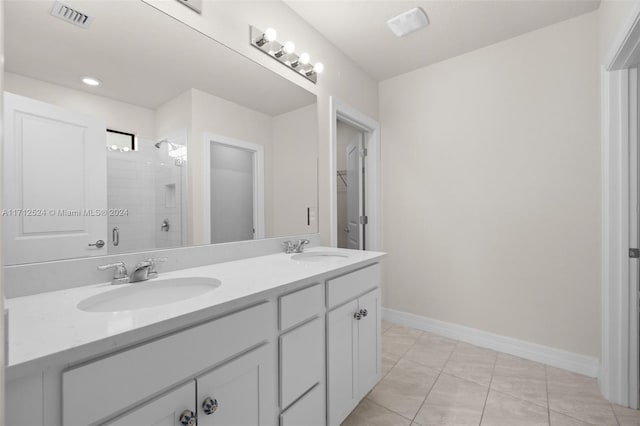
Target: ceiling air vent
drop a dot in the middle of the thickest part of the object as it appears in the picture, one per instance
(71, 15)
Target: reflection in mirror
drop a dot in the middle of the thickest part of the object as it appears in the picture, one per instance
(138, 133)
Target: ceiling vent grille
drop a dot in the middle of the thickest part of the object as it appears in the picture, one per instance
(71, 15)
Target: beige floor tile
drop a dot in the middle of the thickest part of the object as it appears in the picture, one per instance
(526, 388)
(387, 364)
(505, 410)
(368, 413)
(567, 379)
(432, 351)
(399, 330)
(404, 388)
(471, 363)
(386, 325)
(583, 403)
(397, 340)
(627, 416)
(453, 401)
(508, 365)
(558, 419)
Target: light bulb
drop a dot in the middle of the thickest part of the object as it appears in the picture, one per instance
(90, 81)
(270, 34)
(125, 149)
(304, 58)
(318, 68)
(114, 147)
(289, 47)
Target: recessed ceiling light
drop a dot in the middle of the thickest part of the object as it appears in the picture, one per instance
(408, 22)
(90, 81)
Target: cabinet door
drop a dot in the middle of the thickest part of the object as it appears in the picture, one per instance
(342, 341)
(240, 392)
(162, 411)
(368, 342)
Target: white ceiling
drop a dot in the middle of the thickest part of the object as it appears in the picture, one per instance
(141, 55)
(359, 28)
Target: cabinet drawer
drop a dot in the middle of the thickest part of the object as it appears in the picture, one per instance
(346, 287)
(301, 360)
(98, 389)
(309, 411)
(300, 305)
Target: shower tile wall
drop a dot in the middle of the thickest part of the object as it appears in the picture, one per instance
(168, 196)
(130, 183)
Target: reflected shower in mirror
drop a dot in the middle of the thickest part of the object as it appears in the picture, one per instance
(138, 133)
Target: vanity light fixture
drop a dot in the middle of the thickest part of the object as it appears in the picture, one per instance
(266, 42)
(91, 81)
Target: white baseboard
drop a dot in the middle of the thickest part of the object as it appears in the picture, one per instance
(581, 364)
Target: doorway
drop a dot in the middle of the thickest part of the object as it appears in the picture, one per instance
(354, 180)
(233, 191)
(350, 187)
(619, 377)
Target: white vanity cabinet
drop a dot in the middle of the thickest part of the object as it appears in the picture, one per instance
(353, 340)
(166, 410)
(300, 356)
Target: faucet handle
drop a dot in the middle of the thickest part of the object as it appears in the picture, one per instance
(299, 246)
(288, 246)
(153, 261)
(120, 275)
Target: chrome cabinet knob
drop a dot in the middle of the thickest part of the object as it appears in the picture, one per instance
(364, 312)
(187, 418)
(209, 405)
(357, 316)
(97, 244)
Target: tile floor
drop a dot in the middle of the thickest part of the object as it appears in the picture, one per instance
(433, 381)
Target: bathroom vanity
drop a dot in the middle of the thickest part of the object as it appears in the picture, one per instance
(280, 339)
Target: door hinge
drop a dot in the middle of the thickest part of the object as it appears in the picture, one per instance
(634, 253)
(364, 220)
(363, 152)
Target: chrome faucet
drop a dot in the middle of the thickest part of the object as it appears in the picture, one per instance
(146, 269)
(298, 247)
(119, 272)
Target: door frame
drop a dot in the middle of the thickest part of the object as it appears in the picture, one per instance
(258, 181)
(371, 130)
(618, 377)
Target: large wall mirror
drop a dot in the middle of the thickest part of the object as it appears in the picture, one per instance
(172, 139)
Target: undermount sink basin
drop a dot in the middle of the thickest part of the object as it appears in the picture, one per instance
(148, 294)
(318, 256)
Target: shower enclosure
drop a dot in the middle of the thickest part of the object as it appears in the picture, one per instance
(146, 188)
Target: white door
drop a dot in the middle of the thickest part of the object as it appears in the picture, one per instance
(369, 362)
(55, 182)
(342, 340)
(165, 410)
(232, 193)
(354, 193)
(237, 393)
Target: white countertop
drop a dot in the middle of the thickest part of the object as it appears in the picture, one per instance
(45, 328)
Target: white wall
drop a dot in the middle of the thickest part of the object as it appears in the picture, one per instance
(228, 22)
(491, 177)
(295, 172)
(118, 115)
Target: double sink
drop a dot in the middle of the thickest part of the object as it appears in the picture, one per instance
(171, 290)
